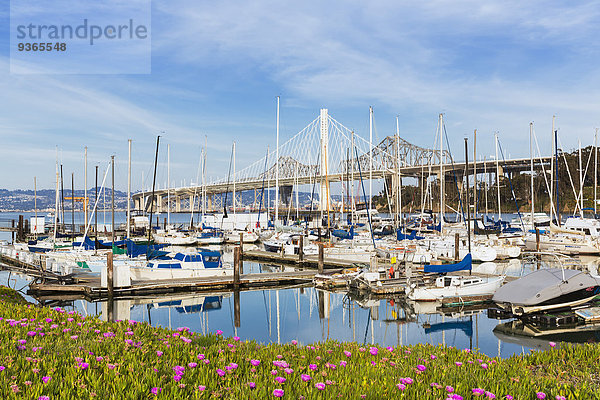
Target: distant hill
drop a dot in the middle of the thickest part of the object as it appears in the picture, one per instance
(24, 200)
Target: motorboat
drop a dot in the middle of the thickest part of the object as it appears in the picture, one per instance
(456, 286)
(173, 237)
(547, 289)
(202, 264)
(248, 237)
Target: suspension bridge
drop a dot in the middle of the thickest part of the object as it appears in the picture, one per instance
(325, 152)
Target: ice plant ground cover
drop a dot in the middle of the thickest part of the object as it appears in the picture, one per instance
(53, 354)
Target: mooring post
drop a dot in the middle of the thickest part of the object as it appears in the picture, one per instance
(282, 250)
(301, 249)
(321, 301)
(321, 258)
(236, 266)
(20, 227)
(319, 232)
(236, 308)
(110, 284)
(537, 239)
(109, 274)
(165, 224)
(241, 246)
(456, 246)
(13, 231)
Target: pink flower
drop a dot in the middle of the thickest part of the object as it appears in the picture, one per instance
(305, 377)
(560, 397)
(421, 367)
(251, 385)
(219, 332)
(192, 365)
(390, 348)
(177, 378)
(156, 390)
(490, 395)
(280, 379)
(373, 351)
(46, 379)
(449, 389)
(201, 388)
(484, 366)
(541, 395)
(294, 342)
(433, 357)
(159, 353)
(236, 338)
(478, 391)
(312, 367)
(401, 386)
(255, 363)
(44, 398)
(220, 372)
(200, 356)
(320, 385)
(347, 353)
(509, 397)
(552, 344)
(288, 371)
(278, 392)
(458, 363)
(342, 363)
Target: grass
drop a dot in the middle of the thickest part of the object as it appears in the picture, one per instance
(51, 354)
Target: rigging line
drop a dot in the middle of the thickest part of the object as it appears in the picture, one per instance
(365, 197)
(543, 171)
(569, 173)
(367, 328)
(512, 190)
(462, 211)
(227, 190)
(262, 191)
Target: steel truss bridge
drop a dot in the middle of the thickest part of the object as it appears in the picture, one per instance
(321, 154)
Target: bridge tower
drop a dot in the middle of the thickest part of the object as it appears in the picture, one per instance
(324, 192)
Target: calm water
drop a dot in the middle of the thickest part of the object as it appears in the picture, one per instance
(309, 315)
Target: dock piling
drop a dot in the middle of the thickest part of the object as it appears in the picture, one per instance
(236, 266)
(109, 274)
(537, 239)
(456, 246)
(301, 249)
(236, 309)
(321, 258)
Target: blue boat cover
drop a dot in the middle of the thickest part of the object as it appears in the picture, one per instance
(465, 264)
(412, 236)
(343, 234)
(465, 326)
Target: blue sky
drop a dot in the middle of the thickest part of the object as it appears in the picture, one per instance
(217, 67)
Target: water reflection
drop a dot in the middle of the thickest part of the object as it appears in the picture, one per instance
(309, 315)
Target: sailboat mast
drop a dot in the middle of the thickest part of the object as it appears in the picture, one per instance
(56, 202)
(552, 173)
(556, 167)
(498, 177)
(169, 184)
(234, 205)
(475, 192)
(35, 203)
(580, 182)
(370, 159)
(595, 171)
(85, 198)
(399, 185)
(128, 190)
(485, 182)
(277, 167)
(441, 123)
(531, 159)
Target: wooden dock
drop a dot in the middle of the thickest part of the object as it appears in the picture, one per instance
(307, 261)
(91, 288)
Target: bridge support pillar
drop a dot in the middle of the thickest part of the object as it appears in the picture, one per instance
(191, 203)
(159, 205)
(177, 204)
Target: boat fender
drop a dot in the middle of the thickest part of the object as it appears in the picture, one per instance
(391, 271)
